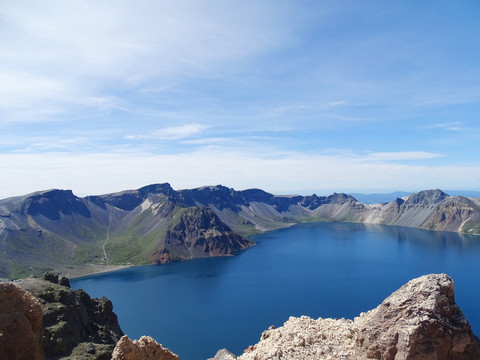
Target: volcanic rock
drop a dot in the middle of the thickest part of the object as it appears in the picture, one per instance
(200, 233)
(74, 322)
(145, 348)
(420, 321)
(21, 328)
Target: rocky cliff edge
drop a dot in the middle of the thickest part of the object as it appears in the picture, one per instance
(420, 321)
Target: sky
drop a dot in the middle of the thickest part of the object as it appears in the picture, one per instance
(291, 96)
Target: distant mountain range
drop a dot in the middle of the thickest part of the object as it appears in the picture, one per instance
(55, 230)
(378, 198)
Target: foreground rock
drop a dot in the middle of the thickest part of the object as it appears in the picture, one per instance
(21, 328)
(76, 326)
(144, 349)
(420, 321)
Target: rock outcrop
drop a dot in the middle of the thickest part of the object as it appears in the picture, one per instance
(420, 321)
(75, 325)
(223, 354)
(200, 233)
(145, 348)
(21, 329)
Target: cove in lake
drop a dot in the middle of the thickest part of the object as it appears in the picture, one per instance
(316, 269)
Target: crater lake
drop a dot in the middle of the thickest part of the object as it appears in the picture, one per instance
(317, 269)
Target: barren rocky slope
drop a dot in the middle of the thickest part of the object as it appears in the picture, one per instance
(55, 230)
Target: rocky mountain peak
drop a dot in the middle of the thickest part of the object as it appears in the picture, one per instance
(219, 196)
(340, 199)
(426, 197)
(163, 188)
(53, 202)
(128, 200)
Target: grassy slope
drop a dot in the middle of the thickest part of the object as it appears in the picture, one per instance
(130, 247)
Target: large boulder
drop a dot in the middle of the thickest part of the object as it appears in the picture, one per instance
(21, 329)
(420, 321)
(145, 348)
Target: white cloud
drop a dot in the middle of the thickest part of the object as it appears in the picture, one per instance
(281, 173)
(179, 132)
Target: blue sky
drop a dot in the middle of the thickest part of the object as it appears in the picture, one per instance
(288, 96)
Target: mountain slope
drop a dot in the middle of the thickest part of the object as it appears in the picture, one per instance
(55, 230)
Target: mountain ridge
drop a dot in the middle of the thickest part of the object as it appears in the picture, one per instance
(54, 230)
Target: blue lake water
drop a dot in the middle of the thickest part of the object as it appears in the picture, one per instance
(315, 269)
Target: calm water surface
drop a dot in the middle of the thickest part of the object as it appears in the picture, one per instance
(320, 270)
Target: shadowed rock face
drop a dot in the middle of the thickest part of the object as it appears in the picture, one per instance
(420, 321)
(76, 325)
(52, 204)
(21, 328)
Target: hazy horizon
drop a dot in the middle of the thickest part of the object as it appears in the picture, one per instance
(364, 195)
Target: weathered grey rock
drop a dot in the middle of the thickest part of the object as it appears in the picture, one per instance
(72, 319)
(145, 348)
(54, 278)
(420, 321)
(21, 329)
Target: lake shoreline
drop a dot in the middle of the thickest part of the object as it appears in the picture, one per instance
(91, 270)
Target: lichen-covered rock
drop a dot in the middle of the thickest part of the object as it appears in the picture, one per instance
(420, 321)
(21, 328)
(145, 348)
(71, 318)
(90, 351)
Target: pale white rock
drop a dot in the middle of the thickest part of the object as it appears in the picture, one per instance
(420, 321)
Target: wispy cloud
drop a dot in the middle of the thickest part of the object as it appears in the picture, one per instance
(53, 53)
(403, 155)
(173, 132)
(458, 99)
(266, 85)
(450, 126)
